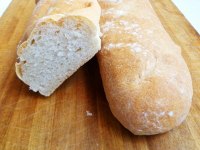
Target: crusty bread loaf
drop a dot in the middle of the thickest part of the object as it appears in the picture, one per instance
(61, 36)
(146, 80)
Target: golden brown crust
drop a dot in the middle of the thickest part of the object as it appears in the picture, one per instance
(36, 1)
(18, 70)
(146, 81)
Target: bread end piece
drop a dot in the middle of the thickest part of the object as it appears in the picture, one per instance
(56, 48)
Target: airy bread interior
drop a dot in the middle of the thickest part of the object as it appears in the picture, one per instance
(55, 51)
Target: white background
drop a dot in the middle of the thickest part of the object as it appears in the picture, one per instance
(190, 9)
(3, 5)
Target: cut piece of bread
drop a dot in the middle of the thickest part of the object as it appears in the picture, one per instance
(55, 46)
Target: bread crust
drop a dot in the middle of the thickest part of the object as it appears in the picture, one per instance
(145, 78)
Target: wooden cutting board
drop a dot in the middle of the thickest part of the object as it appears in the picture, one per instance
(77, 115)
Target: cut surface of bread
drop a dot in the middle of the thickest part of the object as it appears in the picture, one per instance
(56, 48)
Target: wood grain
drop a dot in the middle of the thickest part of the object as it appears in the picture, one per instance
(30, 121)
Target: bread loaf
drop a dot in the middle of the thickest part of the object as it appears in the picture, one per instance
(145, 78)
(61, 36)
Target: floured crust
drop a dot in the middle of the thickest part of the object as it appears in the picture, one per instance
(145, 78)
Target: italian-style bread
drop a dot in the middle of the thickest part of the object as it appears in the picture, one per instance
(146, 80)
(61, 36)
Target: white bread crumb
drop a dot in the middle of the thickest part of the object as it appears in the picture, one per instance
(88, 113)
